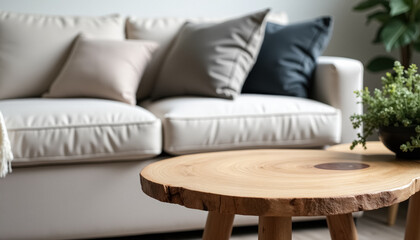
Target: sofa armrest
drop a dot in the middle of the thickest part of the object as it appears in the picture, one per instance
(335, 81)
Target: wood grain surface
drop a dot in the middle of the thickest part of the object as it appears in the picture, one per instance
(280, 182)
(377, 149)
(218, 226)
(392, 214)
(412, 230)
(275, 228)
(342, 227)
(374, 148)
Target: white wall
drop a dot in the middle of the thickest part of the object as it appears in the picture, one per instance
(351, 37)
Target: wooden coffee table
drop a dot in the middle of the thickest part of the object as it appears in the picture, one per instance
(278, 184)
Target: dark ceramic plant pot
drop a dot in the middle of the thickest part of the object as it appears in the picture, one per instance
(393, 137)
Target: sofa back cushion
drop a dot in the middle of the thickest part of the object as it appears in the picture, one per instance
(33, 48)
(164, 31)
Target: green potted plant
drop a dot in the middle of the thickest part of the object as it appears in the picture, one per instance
(394, 110)
(399, 28)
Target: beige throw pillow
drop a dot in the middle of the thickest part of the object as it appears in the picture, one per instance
(211, 60)
(107, 69)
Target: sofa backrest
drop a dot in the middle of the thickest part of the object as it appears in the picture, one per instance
(163, 31)
(34, 47)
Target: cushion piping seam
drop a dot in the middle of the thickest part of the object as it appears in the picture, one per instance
(95, 154)
(248, 116)
(313, 40)
(258, 25)
(253, 142)
(81, 126)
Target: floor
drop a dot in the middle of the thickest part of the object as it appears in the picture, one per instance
(372, 225)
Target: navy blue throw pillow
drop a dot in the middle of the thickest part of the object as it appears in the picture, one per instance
(287, 59)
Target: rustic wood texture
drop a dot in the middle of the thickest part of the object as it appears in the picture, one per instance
(392, 214)
(275, 228)
(218, 226)
(369, 227)
(412, 230)
(280, 182)
(374, 148)
(342, 227)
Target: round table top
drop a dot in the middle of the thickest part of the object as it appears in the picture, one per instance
(282, 182)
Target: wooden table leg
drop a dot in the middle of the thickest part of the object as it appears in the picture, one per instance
(412, 229)
(218, 226)
(275, 228)
(342, 227)
(392, 214)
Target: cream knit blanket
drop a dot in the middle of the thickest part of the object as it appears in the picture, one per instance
(6, 155)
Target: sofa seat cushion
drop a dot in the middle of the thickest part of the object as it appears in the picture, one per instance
(197, 124)
(44, 131)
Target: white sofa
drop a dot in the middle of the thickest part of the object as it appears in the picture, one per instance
(77, 161)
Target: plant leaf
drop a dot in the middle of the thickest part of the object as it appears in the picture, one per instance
(368, 4)
(410, 35)
(380, 63)
(379, 16)
(398, 7)
(396, 34)
(391, 33)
